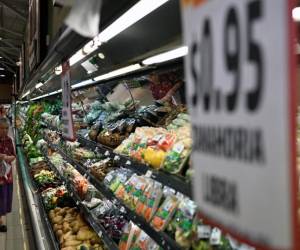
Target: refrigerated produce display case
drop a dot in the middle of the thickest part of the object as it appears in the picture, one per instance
(124, 183)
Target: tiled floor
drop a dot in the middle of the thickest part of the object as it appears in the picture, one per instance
(19, 234)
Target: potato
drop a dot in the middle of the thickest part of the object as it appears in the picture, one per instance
(51, 214)
(57, 227)
(67, 229)
(61, 239)
(72, 243)
(66, 235)
(65, 224)
(78, 223)
(59, 233)
(71, 210)
(69, 248)
(75, 229)
(84, 234)
(95, 240)
(62, 212)
(69, 218)
(57, 209)
(58, 219)
(71, 237)
(97, 247)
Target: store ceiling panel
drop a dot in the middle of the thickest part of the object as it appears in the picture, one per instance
(13, 16)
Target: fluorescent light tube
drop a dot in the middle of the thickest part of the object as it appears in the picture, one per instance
(81, 84)
(2, 69)
(26, 94)
(296, 14)
(40, 84)
(46, 95)
(118, 72)
(166, 56)
(76, 57)
(87, 49)
(111, 74)
(134, 14)
(2, 75)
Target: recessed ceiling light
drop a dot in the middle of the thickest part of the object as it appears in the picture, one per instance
(2, 75)
(1, 57)
(101, 55)
(2, 68)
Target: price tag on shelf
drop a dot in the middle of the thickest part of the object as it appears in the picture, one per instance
(204, 231)
(241, 96)
(116, 158)
(67, 118)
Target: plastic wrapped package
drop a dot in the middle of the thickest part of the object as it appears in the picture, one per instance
(130, 235)
(116, 177)
(144, 242)
(165, 213)
(182, 222)
(176, 157)
(125, 189)
(153, 198)
(101, 168)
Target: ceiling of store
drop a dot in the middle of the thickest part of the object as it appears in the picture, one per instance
(13, 16)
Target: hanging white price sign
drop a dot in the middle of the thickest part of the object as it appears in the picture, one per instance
(67, 118)
(241, 97)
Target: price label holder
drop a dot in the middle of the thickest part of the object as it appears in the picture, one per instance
(240, 73)
(67, 117)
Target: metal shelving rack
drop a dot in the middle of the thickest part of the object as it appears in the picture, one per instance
(161, 238)
(45, 238)
(99, 229)
(178, 183)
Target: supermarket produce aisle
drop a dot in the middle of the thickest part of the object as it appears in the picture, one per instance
(19, 234)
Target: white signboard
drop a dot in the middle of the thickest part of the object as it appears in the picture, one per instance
(240, 92)
(67, 118)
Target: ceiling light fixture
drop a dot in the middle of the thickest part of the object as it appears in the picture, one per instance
(296, 14)
(166, 56)
(109, 75)
(40, 84)
(2, 75)
(133, 15)
(101, 56)
(2, 68)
